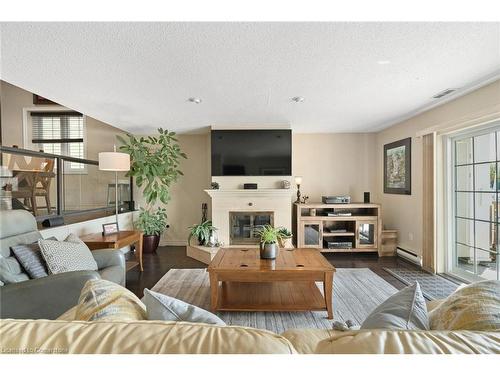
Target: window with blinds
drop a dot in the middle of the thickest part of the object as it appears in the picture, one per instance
(59, 133)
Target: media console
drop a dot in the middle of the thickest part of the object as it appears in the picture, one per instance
(341, 228)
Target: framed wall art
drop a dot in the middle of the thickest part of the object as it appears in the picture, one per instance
(397, 167)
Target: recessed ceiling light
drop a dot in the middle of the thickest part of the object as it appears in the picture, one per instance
(194, 100)
(383, 62)
(298, 99)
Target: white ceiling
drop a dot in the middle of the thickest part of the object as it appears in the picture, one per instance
(138, 76)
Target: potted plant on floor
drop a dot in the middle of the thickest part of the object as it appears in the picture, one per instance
(202, 232)
(152, 224)
(154, 163)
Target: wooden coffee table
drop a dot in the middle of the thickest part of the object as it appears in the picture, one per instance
(241, 281)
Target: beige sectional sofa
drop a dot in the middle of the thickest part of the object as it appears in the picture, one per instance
(155, 337)
(393, 342)
(66, 335)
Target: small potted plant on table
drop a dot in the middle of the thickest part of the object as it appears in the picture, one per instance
(269, 238)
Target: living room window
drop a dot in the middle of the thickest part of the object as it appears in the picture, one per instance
(60, 133)
(475, 182)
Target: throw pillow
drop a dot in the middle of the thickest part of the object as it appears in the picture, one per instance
(404, 310)
(162, 307)
(67, 255)
(31, 259)
(105, 300)
(474, 307)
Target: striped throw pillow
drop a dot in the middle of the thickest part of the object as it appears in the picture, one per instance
(105, 300)
(474, 307)
(31, 259)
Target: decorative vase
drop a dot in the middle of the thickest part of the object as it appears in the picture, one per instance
(212, 240)
(269, 250)
(150, 243)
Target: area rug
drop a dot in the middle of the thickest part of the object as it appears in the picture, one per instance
(356, 292)
(432, 286)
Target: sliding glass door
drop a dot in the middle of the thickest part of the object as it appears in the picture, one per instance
(475, 161)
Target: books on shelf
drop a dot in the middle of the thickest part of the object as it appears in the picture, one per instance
(329, 230)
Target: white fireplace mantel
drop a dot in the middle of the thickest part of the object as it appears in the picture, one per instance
(225, 201)
(216, 193)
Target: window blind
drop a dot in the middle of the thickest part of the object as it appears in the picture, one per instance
(57, 127)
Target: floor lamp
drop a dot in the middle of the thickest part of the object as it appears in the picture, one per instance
(114, 162)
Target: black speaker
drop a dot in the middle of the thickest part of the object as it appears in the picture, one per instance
(366, 196)
(131, 205)
(250, 186)
(53, 222)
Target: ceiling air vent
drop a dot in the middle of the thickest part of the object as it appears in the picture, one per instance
(439, 95)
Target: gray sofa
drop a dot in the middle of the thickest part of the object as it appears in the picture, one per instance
(46, 297)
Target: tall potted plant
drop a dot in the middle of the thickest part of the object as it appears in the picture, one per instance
(154, 163)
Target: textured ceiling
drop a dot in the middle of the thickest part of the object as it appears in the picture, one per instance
(138, 76)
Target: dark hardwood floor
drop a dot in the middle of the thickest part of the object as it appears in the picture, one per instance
(156, 265)
(168, 257)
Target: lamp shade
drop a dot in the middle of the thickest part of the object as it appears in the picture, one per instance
(114, 161)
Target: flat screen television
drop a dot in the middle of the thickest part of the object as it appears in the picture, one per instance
(251, 152)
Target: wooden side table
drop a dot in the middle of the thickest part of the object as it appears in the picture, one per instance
(96, 241)
(389, 242)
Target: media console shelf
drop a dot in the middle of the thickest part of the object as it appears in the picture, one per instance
(338, 228)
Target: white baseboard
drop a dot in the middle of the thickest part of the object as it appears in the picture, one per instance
(409, 255)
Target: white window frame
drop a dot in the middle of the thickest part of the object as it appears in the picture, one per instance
(449, 161)
(27, 144)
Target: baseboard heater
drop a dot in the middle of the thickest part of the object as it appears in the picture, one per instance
(408, 255)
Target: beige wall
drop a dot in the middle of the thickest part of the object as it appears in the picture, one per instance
(13, 100)
(404, 212)
(184, 209)
(333, 164)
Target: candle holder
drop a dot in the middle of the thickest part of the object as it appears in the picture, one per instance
(298, 194)
(298, 181)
